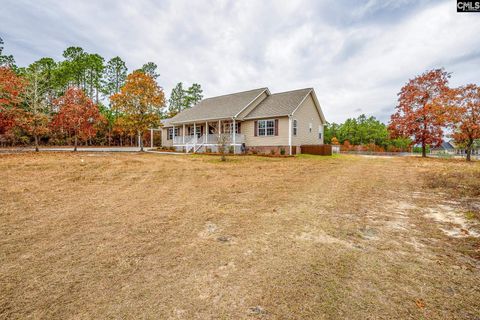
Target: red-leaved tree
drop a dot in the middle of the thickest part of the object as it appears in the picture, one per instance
(421, 111)
(77, 114)
(11, 89)
(465, 116)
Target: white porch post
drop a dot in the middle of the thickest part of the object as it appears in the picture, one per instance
(183, 134)
(234, 134)
(173, 134)
(151, 138)
(290, 134)
(195, 135)
(205, 133)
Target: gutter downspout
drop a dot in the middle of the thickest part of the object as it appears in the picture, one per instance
(233, 135)
(290, 134)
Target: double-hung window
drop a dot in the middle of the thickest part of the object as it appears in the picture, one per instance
(229, 127)
(294, 127)
(170, 133)
(266, 127)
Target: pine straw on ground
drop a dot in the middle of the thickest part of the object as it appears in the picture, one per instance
(174, 237)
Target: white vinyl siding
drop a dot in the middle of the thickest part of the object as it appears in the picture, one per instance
(308, 120)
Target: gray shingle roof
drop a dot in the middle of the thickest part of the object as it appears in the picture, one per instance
(445, 146)
(279, 104)
(230, 105)
(220, 107)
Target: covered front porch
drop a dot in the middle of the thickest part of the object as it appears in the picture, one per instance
(208, 136)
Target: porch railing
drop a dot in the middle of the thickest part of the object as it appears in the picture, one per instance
(178, 140)
(207, 139)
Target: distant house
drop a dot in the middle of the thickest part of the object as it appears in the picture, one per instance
(253, 121)
(445, 147)
(450, 147)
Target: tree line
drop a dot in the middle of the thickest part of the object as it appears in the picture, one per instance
(427, 109)
(364, 134)
(83, 99)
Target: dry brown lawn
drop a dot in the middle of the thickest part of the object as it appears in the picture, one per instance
(128, 236)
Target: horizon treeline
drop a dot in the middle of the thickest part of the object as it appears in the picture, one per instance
(29, 97)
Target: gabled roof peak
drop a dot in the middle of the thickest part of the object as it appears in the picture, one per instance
(239, 92)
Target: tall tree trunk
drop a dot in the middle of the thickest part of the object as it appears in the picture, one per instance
(424, 150)
(469, 150)
(140, 141)
(75, 144)
(35, 136)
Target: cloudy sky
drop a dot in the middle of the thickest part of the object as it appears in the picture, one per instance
(356, 54)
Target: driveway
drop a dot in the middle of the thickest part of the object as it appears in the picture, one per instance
(84, 149)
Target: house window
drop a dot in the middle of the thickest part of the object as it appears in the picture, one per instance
(198, 129)
(229, 126)
(294, 127)
(266, 127)
(320, 132)
(310, 127)
(170, 133)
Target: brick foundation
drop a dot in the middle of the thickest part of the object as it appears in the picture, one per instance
(275, 150)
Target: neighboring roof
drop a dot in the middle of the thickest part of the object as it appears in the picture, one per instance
(279, 104)
(445, 146)
(221, 107)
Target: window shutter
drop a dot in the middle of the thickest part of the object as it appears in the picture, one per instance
(256, 128)
(276, 127)
(239, 127)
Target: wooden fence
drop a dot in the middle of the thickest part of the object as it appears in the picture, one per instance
(318, 149)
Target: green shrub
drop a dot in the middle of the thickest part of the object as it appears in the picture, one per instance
(282, 151)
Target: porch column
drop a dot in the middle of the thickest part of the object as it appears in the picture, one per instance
(195, 135)
(151, 138)
(183, 134)
(234, 134)
(205, 132)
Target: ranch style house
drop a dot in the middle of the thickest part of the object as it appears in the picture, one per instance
(254, 121)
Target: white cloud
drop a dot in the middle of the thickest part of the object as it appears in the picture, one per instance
(357, 55)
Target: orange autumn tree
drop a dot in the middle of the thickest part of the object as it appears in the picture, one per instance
(465, 116)
(421, 113)
(11, 88)
(140, 100)
(77, 115)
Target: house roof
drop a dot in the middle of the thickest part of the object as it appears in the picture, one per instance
(445, 146)
(231, 105)
(221, 107)
(279, 104)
